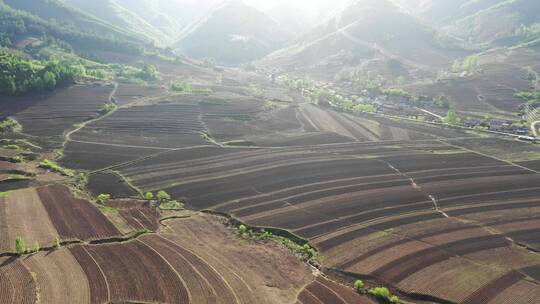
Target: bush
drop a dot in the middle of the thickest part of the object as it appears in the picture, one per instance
(358, 285)
(103, 198)
(10, 125)
(451, 118)
(383, 294)
(182, 87)
(54, 167)
(163, 196)
(149, 196)
(171, 205)
(242, 229)
(108, 107)
(20, 246)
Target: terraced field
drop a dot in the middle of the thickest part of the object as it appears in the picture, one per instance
(191, 260)
(434, 213)
(396, 212)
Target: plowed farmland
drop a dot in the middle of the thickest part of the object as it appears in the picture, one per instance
(50, 116)
(436, 214)
(368, 207)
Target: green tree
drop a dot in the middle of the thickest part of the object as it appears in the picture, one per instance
(451, 118)
(11, 87)
(242, 229)
(149, 196)
(163, 196)
(358, 285)
(36, 247)
(57, 243)
(49, 81)
(20, 246)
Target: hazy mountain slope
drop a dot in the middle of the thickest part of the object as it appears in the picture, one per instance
(81, 32)
(69, 18)
(369, 30)
(499, 23)
(478, 21)
(234, 33)
(113, 13)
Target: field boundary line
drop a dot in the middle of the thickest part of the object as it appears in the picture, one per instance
(169, 264)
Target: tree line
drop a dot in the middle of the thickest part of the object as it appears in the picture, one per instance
(19, 76)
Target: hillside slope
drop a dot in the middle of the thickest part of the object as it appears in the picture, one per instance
(233, 33)
(369, 30)
(115, 14)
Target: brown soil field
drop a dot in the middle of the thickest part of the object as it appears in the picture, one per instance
(192, 260)
(134, 272)
(339, 201)
(163, 125)
(129, 92)
(139, 215)
(256, 273)
(59, 277)
(17, 286)
(93, 156)
(74, 218)
(52, 114)
(110, 183)
(323, 291)
(24, 215)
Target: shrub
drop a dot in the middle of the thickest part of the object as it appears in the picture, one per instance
(163, 196)
(54, 167)
(242, 229)
(171, 205)
(36, 247)
(358, 285)
(10, 125)
(451, 118)
(383, 294)
(20, 246)
(108, 107)
(182, 87)
(103, 198)
(57, 243)
(149, 196)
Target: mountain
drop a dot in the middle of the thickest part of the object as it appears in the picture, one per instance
(490, 22)
(63, 15)
(364, 31)
(21, 20)
(114, 13)
(233, 33)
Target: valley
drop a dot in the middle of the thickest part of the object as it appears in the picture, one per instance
(364, 161)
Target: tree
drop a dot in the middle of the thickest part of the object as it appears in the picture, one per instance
(49, 81)
(358, 285)
(57, 243)
(149, 196)
(163, 196)
(11, 87)
(36, 247)
(242, 229)
(20, 246)
(149, 72)
(451, 118)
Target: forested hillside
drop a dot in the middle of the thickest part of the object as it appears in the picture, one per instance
(18, 24)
